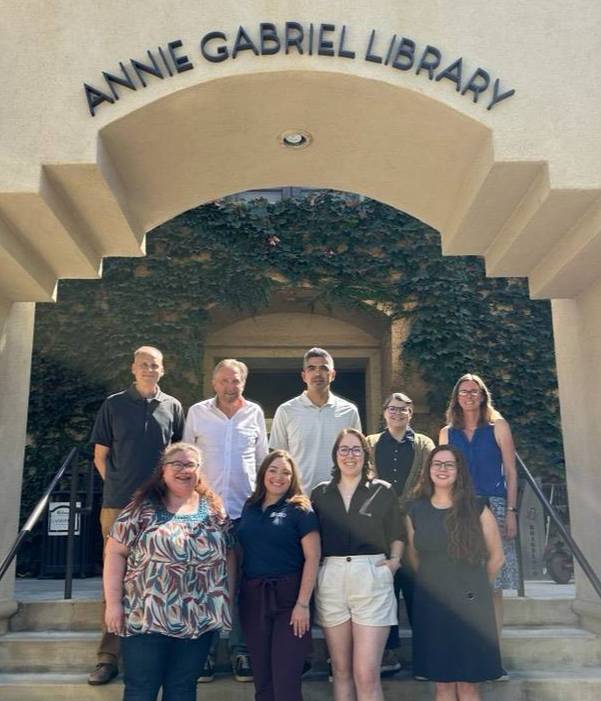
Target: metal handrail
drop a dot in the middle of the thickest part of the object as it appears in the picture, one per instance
(570, 542)
(37, 511)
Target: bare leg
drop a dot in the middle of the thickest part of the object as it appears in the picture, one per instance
(468, 692)
(446, 691)
(340, 646)
(497, 600)
(368, 647)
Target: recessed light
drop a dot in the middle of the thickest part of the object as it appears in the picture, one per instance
(295, 138)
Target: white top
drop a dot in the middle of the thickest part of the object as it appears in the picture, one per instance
(308, 432)
(232, 449)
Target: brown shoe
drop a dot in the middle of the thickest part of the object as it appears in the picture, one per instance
(104, 672)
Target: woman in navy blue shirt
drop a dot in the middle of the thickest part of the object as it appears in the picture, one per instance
(279, 538)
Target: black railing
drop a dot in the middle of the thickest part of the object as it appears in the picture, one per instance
(559, 524)
(71, 463)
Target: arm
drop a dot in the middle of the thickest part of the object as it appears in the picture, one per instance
(189, 436)
(278, 439)
(505, 442)
(411, 551)
(393, 529)
(115, 558)
(178, 424)
(356, 423)
(299, 620)
(443, 436)
(101, 453)
(492, 540)
(261, 444)
(231, 569)
(396, 553)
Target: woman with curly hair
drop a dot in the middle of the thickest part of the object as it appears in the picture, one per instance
(279, 538)
(455, 546)
(484, 437)
(166, 584)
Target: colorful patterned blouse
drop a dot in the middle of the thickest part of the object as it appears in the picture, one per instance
(175, 579)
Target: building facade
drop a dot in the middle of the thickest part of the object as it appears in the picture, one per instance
(482, 122)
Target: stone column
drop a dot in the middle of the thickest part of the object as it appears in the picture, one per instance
(16, 338)
(577, 330)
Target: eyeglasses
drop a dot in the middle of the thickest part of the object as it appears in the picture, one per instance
(177, 465)
(398, 409)
(468, 392)
(355, 451)
(449, 466)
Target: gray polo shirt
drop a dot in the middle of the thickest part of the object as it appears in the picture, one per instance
(136, 430)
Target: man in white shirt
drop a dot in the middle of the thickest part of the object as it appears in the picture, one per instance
(307, 425)
(230, 432)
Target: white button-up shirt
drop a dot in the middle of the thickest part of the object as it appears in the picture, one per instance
(308, 432)
(232, 449)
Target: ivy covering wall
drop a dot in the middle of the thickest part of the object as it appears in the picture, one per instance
(236, 254)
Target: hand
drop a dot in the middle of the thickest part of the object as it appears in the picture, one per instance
(300, 620)
(393, 565)
(114, 618)
(511, 524)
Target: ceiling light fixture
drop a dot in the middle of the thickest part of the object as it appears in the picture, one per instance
(295, 138)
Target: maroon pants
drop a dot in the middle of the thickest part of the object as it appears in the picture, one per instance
(276, 654)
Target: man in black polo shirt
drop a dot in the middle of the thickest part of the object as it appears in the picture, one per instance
(131, 430)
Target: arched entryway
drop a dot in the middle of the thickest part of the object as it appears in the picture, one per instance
(492, 181)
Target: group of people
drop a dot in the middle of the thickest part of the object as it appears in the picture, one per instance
(210, 526)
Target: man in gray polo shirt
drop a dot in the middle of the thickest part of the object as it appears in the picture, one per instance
(307, 425)
(131, 430)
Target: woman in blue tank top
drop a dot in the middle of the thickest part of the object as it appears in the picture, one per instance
(477, 429)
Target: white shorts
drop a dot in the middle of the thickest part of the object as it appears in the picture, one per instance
(353, 588)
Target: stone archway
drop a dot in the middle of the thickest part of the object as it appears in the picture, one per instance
(519, 184)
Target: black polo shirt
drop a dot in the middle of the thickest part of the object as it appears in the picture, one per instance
(271, 538)
(394, 458)
(136, 430)
(372, 522)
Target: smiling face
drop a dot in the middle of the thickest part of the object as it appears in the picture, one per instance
(228, 383)
(147, 369)
(443, 469)
(318, 374)
(278, 478)
(469, 395)
(182, 472)
(350, 456)
(397, 415)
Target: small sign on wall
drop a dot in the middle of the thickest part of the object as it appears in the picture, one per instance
(58, 518)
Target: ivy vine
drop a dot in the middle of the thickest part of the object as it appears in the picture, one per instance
(238, 254)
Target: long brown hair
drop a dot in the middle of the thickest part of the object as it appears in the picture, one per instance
(488, 413)
(466, 540)
(366, 470)
(294, 493)
(155, 489)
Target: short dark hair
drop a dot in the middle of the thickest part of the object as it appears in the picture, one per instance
(399, 396)
(318, 353)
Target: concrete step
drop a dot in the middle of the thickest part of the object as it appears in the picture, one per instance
(525, 647)
(86, 614)
(522, 686)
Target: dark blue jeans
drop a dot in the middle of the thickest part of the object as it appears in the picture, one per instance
(152, 661)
